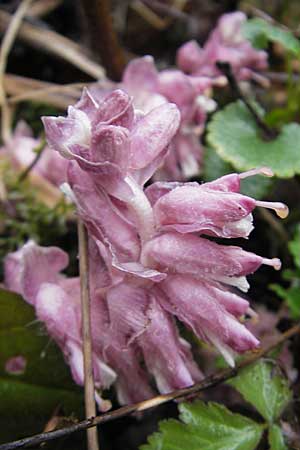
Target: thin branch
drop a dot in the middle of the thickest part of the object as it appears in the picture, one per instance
(56, 44)
(43, 7)
(225, 67)
(73, 89)
(13, 26)
(28, 169)
(282, 77)
(89, 388)
(23, 88)
(208, 382)
(104, 39)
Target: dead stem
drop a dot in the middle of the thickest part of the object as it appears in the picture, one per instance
(89, 388)
(13, 26)
(208, 382)
(22, 89)
(56, 44)
(104, 40)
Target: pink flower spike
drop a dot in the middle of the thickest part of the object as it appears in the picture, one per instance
(281, 209)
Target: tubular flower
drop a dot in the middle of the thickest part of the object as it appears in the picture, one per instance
(150, 259)
(225, 43)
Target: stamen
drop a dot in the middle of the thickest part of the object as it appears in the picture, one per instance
(266, 171)
(281, 209)
(274, 262)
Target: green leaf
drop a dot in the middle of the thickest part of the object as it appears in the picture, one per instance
(276, 440)
(259, 32)
(263, 386)
(215, 167)
(291, 296)
(25, 408)
(206, 426)
(27, 400)
(294, 248)
(235, 136)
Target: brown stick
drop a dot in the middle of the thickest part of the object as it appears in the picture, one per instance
(22, 89)
(12, 28)
(56, 44)
(104, 39)
(208, 382)
(89, 388)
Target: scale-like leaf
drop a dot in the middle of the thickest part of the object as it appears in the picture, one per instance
(259, 32)
(236, 138)
(206, 427)
(264, 387)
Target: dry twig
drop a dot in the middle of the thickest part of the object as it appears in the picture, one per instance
(56, 44)
(12, 27)
(208, 382)
(99, 19)
(22, 89)
(89, 388)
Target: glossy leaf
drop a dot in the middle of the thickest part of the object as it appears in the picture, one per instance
(235, 136)
(28, 399)
(259, 32)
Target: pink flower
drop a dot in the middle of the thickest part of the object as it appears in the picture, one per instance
(226, 43)
(150, 259)
(149, 89)
(20, 150)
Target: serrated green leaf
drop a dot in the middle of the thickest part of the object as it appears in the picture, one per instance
(276, 439)
(294, 248)
(259, 32)
(206, 427)
(264, 387)
(215, 167)
(235, 136)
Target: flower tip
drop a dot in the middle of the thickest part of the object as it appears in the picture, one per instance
(281, 209)
(274, 262)
(266, 171)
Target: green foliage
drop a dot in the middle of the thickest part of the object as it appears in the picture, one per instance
(259, 32)
(24, 217)
(291, 295)
(206, 426)
(29, 399)
(215, 167)
(213, 427)
(263, 386)
(276, 440)
(235, 136)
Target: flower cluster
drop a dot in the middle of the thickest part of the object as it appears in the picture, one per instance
(151, 256)
(226, 43)
(189, 87)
